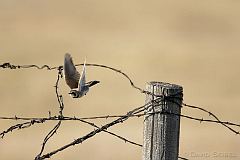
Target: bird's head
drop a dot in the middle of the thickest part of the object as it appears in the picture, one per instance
(74, 93)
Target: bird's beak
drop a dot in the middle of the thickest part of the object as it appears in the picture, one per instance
(69, 93)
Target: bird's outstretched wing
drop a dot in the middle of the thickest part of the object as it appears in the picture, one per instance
(71, 74)
(82, 80)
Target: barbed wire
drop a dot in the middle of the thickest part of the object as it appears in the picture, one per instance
(33, 120)
(225, 124)
(213, 115)
(61, 107)
(12, 66)
(137, 112)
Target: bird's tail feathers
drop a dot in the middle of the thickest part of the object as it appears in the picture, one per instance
(92, 83)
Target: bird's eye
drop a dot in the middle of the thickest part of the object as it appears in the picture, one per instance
(74, 94)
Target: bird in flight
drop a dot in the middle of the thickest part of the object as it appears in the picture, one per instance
(79, 86)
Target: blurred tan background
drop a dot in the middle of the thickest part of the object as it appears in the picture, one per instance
(191, 43)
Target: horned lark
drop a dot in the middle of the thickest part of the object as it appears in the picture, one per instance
(79, 86)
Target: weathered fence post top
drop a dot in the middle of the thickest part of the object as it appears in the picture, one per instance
(162, 121)
(164, 85)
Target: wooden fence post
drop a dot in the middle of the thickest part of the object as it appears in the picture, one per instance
(161, 130)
